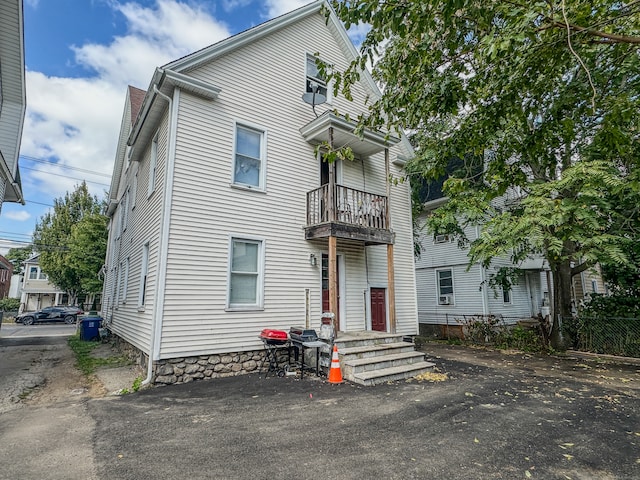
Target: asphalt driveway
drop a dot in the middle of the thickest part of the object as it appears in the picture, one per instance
(496, 416)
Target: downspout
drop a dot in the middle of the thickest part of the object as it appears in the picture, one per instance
(158, 311)
(483, 282)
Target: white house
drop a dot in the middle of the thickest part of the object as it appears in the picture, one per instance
(36, 291)
(450, 291)
(12, 99)
(224, 220)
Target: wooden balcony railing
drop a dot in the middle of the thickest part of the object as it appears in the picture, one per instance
(350, 206)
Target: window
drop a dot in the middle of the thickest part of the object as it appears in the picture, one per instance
(125, 280)
(143, 275)
(153, 165)
(441, 239)
(315, 79)
(33, 273)
(506, 295)
(125, 210)
(594, 286)
(42, 275)
(245, 273)
(116, 272)
(134, 191)
(445, 287)
(249, 157)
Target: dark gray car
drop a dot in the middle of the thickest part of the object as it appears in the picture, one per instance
(68, 315)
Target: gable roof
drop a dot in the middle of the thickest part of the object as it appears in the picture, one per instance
(136, 97)
(174, 73)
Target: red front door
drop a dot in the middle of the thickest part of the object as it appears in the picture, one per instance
(325, 287)
(378, 310)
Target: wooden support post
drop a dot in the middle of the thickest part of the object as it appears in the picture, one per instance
(332, 182)
(390, 267)
(392, 289)
(333, 283)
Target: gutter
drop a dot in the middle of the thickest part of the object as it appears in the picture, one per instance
(158, 311)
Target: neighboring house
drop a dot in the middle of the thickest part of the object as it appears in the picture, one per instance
(224, 220)
(6, 272)
(37, 292)
(12, 99)
(450, 291)
(16, 285)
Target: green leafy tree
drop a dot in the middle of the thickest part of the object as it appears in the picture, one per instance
(538, 103)
(71, 240)
(17, 256)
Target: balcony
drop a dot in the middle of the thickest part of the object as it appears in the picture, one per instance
(348, 213)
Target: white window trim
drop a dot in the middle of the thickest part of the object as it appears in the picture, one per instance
(262, 184)
(508, 292)
(328, 85)
(134, 191)
(153, 165)
(144, 274)
(453, 287)
(259, 305)
(125, 215)
(125, 280)
(440, 239)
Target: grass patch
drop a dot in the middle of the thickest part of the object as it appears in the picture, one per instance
(87, 363)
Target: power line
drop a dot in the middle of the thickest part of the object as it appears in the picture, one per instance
(38, 203)
(48, 162)
(67, 176)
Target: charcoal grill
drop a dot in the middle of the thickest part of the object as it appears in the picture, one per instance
(301, 339)
(273, 341)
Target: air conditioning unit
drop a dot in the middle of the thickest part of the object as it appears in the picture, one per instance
(444, 300)
(441, 238)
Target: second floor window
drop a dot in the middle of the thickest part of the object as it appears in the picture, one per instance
(249, 159)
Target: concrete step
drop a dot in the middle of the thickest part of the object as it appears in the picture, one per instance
(357, 365)
(367, 351)
(350, 342)
(383, 375)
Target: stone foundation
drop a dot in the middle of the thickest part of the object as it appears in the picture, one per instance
(188, 369)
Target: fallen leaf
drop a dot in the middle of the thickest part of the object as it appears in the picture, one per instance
(468, 394)
(567, 456)
(527, 473)
(475, 440)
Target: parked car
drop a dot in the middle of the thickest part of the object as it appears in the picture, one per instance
(68, 315)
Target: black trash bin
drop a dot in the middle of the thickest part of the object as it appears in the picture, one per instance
(90, 328)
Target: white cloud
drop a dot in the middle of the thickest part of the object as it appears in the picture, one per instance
(76, 120)
(17, 215)
(229, 5)
(279, 7)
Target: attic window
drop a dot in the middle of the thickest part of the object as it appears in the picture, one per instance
(315, 78)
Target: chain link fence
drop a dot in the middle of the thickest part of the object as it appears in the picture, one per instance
(605, 335)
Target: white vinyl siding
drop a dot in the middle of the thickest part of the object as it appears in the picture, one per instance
(249, 163)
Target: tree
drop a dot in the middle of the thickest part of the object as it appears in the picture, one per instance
(17, 256)
(538, 103)
(71, 241)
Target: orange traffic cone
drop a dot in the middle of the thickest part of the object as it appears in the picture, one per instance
(335, 374)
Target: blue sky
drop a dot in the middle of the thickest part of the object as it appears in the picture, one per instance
(80, 56)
